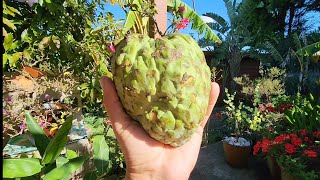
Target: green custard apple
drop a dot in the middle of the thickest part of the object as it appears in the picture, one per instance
(163, 83)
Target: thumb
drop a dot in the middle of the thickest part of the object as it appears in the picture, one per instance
(111, 100)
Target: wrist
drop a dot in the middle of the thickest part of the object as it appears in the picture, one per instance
(146, 176)
(136, 176)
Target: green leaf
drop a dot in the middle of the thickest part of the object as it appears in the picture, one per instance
(15, 57)
(14, 168)
(8, 40)
(91, 176)
(5, 58)
(131, 18)
(59, 141)
(71, 154)
(309, 50)
(4, 32)
(25, 36)
(66, 169)
(100, 154)
(61, 161)
(40, 138)
(197, 23)
(41, 2)
(48, 1)
(44, 43)
(9, 23)
(21, 140)
(14, 10)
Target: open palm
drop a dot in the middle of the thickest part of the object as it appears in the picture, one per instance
(145, 157)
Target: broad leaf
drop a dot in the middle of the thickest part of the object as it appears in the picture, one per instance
(5, 58)
(131, 18)
(61, 161)
(59, 141)
(8, 40)
(40, 138)
(197, 23)
(309, 50)
(15, 57)
(91, 176)
(14, 168)
(22, 140)
(66, 169)
(71, 154)
(100, 154)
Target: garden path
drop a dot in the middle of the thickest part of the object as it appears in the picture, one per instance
(211, 165)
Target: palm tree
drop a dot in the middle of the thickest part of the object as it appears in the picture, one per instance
(235, 38)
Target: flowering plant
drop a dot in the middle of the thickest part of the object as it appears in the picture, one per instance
(300, 148)
(256, 117)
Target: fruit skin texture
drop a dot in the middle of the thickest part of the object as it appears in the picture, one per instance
(163, 83)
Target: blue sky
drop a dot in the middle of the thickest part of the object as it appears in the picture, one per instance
(204, 6)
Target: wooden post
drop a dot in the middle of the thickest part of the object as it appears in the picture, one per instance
(160, 18)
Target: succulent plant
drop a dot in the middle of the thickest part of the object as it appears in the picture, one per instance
(163, 83)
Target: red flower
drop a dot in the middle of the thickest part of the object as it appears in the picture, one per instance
(293, 135)
(316, 134)
(256, 147)
(290, 149)
(270, 109)
(281, 138)
(303, 132)
(310, 153)
(266, 143)
(296, 141)
(181, 9)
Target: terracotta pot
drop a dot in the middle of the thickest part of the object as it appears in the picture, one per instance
(236, 156)
(285, 175)
(274, 168)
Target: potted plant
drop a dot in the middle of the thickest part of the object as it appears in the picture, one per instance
(293, 143)
(236, 146)
(297, 153)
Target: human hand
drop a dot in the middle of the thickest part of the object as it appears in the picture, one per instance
(147, 158)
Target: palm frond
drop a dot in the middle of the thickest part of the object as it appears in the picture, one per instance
(224, 26)
(231, 10)
(273, 51)
(309, 49)
(197, 23)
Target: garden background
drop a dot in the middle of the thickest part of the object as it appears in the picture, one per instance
(54, 53)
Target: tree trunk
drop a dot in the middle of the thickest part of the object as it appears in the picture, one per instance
(234, 63)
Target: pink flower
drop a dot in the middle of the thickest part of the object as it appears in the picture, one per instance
(181, 9)
(23, 126)
(182, 24)
(41, 123)
(112, 48)
(7, 99)
(47, 96)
